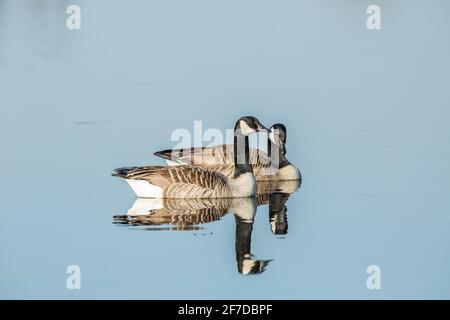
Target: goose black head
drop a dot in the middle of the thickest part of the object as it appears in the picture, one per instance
(278, 213)
(277, 134)
(248, 125)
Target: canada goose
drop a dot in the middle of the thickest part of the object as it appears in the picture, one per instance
(184, 214)
(277, 211)
(186, 181)
(270, 165)
(175, 214)
(276, 194)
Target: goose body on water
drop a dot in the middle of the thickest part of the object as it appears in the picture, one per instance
(271, 165)
(189, 181)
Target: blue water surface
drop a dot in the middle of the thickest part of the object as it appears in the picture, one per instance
(368, 120)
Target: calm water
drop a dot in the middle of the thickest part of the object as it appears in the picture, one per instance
(368, 122)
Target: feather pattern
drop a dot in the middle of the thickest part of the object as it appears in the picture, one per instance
(181, 181)
(221, 159)
(184, 214)
(207, 156)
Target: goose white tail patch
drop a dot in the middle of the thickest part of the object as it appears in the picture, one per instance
(142, 206)
(173, 163)
(145, 189)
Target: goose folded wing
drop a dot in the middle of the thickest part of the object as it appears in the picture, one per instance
(203, 156)
(208, 156)
(164, 177)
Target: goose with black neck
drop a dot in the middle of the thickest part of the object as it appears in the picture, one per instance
(188, 181)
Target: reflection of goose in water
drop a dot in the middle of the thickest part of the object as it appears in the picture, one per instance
(276, 194)
(245, 261)
(182, 214)
(264, 188)
(189, 214)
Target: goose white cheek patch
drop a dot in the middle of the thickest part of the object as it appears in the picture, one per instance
(271, 135)
(245, 128)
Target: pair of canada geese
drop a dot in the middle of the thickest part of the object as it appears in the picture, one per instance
(224, 171)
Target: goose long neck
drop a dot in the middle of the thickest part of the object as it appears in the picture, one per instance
(243, 241)
(276, 154)
(269, 148)
(241, 154)
(278, 212)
